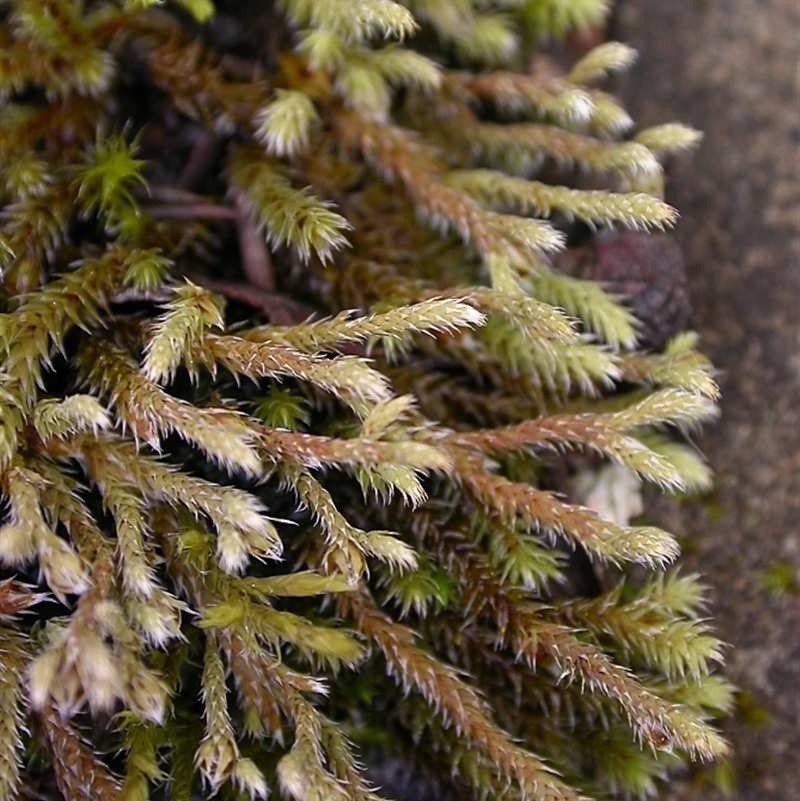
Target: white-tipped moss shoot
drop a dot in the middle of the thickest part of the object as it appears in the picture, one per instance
(265, 527)
(284, 124)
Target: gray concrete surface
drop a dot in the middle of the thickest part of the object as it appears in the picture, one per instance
(731, 69)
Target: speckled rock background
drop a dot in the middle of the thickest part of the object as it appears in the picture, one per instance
(731, 69)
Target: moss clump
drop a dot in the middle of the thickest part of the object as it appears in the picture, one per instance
(237, 541)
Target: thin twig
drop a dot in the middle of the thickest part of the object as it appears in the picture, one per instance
(204, 153)
(279, 308)
(197, 211)
(256, 263)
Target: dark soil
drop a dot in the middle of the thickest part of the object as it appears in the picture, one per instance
(731, 70)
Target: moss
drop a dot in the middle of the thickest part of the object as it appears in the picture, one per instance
(780, 580)
(290, 390)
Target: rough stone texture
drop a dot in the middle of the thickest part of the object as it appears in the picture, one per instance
(731, 69)
(646, 271)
